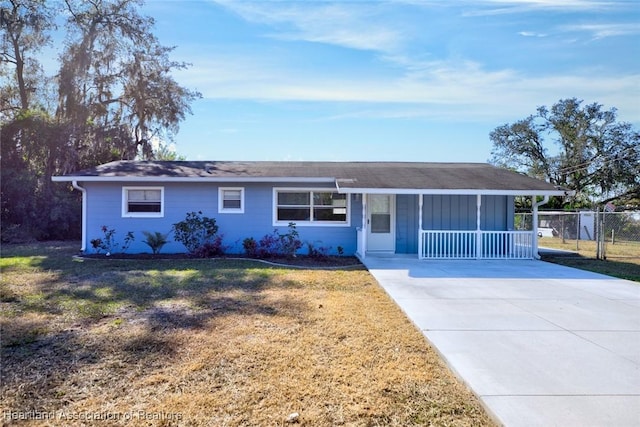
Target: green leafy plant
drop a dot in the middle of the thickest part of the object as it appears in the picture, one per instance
(108, 243)
(211, 249)
(195, 231)
(274, 244)
(155, 240)
(250, 246)
(128, 239)
(96, 244)
(289, 241)
(320, 253)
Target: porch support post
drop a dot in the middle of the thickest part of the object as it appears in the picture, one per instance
(534, 228)
(478, 221)
(534, 231)
(364, 226)
(420, 236)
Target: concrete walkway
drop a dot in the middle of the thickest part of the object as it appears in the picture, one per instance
(540, 344)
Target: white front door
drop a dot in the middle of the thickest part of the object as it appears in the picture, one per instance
(381, 222)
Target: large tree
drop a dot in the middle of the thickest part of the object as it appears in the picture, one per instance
(579, 147)
(113, 95)
(115, 81)
(26, 26)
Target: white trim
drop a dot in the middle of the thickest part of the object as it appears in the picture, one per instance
(83, 245)
(163, 179)
(313, 180)
(222, 209)
(478, 224)
(460, 192)
(471, 244)
(125, 204)
(361, 232)
(392, 225)
(534, 231)
(311, 223)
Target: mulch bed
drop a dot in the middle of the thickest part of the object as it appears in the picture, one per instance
(298, 261)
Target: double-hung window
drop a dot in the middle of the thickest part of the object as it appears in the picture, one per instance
(310, 207)
(231, 200)
(142, 201)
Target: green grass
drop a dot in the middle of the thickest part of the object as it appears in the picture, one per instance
(610, 267)
(623, 258)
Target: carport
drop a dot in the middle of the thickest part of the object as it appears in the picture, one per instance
(540, 344)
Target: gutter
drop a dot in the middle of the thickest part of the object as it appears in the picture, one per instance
(544, 201)
(83, 190)
(278, 179)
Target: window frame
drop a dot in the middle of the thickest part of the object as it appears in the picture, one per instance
(311, 222)
(222, 209)
(125, 203)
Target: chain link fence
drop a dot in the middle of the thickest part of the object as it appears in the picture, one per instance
(593, 234)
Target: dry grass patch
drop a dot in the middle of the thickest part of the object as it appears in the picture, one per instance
(214, 343)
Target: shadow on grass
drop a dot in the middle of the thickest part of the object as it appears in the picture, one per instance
(614, 267)
(53, 306)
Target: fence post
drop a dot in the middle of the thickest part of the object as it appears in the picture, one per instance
(578, 231)
(604, 236)
(596, 231)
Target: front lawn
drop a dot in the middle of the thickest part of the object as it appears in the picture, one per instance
(211, 343)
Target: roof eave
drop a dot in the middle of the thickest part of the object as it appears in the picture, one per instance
(190, 179)
(311, 180)
(461, 192)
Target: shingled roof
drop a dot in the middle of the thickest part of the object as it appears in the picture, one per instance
(349, 177)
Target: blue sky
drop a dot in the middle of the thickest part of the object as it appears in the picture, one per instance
(413, 80)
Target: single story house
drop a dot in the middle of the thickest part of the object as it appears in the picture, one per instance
(432, 210)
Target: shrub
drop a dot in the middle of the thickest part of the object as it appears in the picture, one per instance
(108, 242)
(250, 246)
(320, 253)
(128, 239)
(269, 245)
(274, 244)
(210, 249)
(155, 240)
(97, 244)
(289, 242)
(195, 231)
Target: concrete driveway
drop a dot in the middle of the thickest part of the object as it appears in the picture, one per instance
(540, 344)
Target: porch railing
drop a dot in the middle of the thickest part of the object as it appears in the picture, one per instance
(437, 244)
(473, 244)
(507, 245)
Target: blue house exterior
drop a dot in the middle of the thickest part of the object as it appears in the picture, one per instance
(431, 210)
(105, 200)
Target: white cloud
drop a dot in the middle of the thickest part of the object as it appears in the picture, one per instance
(600, 31)
(352, 25)
(531, 34)
(555, 4)
(436, 87)
(500, 7)
(410, 87)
